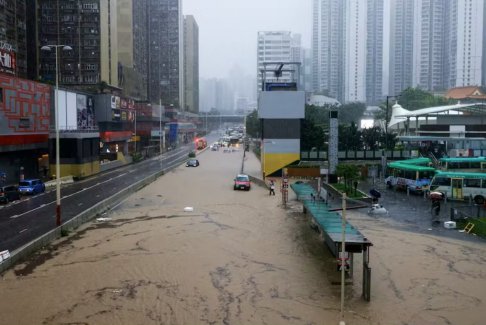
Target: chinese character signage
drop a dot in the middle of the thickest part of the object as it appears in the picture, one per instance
(7, 58)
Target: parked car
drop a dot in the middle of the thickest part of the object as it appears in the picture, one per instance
(31, 186)
(9, 193)
(192, 163)
(242, 182)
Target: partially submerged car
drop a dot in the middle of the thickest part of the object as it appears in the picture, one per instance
(192, 163)
(242, 182)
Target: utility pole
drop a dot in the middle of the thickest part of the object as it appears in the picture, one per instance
(160, 126)
(342, 256)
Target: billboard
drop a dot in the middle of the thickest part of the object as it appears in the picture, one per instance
(173, 132)
(7, 58)
(76, 111)
(85, 110)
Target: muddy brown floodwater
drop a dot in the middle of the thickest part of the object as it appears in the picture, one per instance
(238, 258)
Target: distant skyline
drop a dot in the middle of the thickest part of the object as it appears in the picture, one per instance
(228, 30)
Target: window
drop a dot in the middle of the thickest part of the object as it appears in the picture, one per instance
(442, 181)
(472, 182)
(24, 122)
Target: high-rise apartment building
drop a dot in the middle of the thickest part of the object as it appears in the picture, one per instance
(13, 38)
(132, 48)
(468, 43)
(89, 27)
(401, 46)
(191, 64)
(277, 46)
(374, 51)
(347, 49)
(355, 51)
(165, 77)
(431, 44)
(328, 47)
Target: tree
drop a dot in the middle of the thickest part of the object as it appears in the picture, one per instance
(312, 136)
(412, 99)
(349, 137)
(416, 98)
(349, 172)
(351, 112)
(253, 124)
(371, 138)
(314, 126)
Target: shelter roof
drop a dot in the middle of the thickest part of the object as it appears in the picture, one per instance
(400, 114)
(467, 92)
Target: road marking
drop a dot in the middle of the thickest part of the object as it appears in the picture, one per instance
(15, 216)
(22, 230)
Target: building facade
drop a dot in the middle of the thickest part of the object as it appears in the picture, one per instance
(328, 47)
(89, 27)
(276, 46)
(191, 64)
(401, 46)
(468, 37)
(13, 38)
(374, 51)
(132, 48)
(355, 51)
(165, 77)
(432, 44)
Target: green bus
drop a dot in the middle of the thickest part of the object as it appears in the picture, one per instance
(463, 164)
(460, 185)
(414, 177)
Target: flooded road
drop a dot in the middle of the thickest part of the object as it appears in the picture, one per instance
(238, 258)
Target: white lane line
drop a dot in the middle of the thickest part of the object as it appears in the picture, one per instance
(22, 230)
(66, 196)
(84, 189)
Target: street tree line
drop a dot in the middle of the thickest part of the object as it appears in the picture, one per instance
(315, 125)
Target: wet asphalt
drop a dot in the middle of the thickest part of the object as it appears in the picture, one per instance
(413, 212)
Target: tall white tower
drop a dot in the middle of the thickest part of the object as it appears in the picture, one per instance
(276, 46)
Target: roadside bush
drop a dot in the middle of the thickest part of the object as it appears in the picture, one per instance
(136, 157)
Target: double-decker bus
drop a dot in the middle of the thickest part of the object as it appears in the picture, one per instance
(460, 185)
(414, 177)
(463, 164)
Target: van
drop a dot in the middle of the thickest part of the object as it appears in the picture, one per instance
(31, 186)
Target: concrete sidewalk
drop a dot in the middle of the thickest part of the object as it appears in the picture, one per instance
(253, 168)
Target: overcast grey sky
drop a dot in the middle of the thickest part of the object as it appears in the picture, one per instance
(228, 30)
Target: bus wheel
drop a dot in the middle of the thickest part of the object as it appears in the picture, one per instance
(479, 199)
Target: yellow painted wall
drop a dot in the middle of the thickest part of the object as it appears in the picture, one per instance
(77, 170)
(271, 162)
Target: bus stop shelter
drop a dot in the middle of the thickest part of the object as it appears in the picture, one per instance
(330, 225)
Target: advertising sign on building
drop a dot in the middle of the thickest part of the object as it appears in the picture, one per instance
(173, 132)
(85, 110)
(7, 58)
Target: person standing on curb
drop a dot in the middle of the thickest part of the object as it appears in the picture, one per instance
(272, 188)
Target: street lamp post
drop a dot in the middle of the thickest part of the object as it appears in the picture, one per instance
(160, 128)
(386, 119)
(135, 138)
(56, 113)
